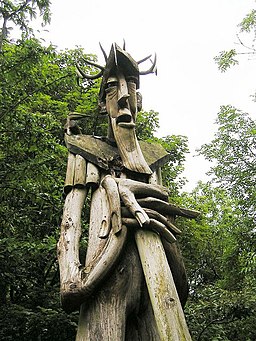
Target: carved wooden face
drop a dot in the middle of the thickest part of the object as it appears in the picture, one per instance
(121, 100)
(121, 105)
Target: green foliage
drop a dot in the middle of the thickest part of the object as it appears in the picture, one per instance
(225, 308)
(219, 254)
(249, 22)
(233, 151)
(226, 59)
(20, 14)
(219, 247)
(19, 323)
(147, 124)
(38, 89)
(177, 146)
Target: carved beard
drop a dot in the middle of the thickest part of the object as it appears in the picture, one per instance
(129, 148)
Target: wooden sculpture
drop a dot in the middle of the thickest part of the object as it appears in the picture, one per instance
(133, 283)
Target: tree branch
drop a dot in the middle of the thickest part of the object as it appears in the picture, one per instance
(23, 99)
(215, 321)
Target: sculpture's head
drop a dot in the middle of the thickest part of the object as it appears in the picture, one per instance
(119, 97)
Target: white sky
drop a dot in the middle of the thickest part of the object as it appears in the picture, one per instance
(186, 35)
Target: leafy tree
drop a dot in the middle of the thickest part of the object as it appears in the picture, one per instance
(38, 89)
(177, 145)
(226, 59)
(233, 151)
(220, 259)
(220, 250)
(20, 13)
(220, 247)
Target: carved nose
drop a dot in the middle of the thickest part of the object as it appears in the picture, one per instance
(122, 101)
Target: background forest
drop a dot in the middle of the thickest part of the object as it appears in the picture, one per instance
(38, 90)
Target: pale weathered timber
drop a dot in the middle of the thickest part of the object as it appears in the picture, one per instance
(102, 254)
(111, 188)
(78, 283)
(106, 315)
(80, 172)
(92, 175)
(165, 301)
(68, 245)
(103, 154)
(71, 164)
(168, 208)
(128, 146)
(126, 213)
(168, 313)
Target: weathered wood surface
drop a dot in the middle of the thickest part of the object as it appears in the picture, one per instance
(103, 154)
(71, 165)
(80, 172)
(68, 245)
(126, 139)
(163, 295)
(105, 246)
(165, 301)
(126, 289)
(92, 175)
(104, 316)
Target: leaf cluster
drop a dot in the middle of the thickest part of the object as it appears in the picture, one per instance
(219, 248)
(19, 13)
(226, 59)
(38, 89)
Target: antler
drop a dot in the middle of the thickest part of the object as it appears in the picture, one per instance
(81, 73)
(104, 53)
(152, 69)
(144, 59)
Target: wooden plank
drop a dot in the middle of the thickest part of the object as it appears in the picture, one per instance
(92, 175)
(69, 181)
(104, 154)
(80, 172)
(165, 302)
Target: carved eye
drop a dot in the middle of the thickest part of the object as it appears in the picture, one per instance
(112, 84)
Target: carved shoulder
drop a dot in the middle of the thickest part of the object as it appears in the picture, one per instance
(105, 155)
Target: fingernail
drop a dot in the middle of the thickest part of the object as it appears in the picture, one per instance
(142, 218)
(104, 229)
(116, 223)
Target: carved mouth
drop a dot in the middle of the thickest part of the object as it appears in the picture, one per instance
(125, 121)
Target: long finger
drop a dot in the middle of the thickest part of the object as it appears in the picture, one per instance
(109, 184)
(131, 203)
(154, 215)
(162, 219)
(167, 208)
(153, 225)
(142, 189)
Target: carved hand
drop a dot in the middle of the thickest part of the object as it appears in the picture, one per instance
(144, 206)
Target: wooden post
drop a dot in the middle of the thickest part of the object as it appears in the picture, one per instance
(165, 302)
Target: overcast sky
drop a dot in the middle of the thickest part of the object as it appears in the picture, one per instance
(186, 35)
